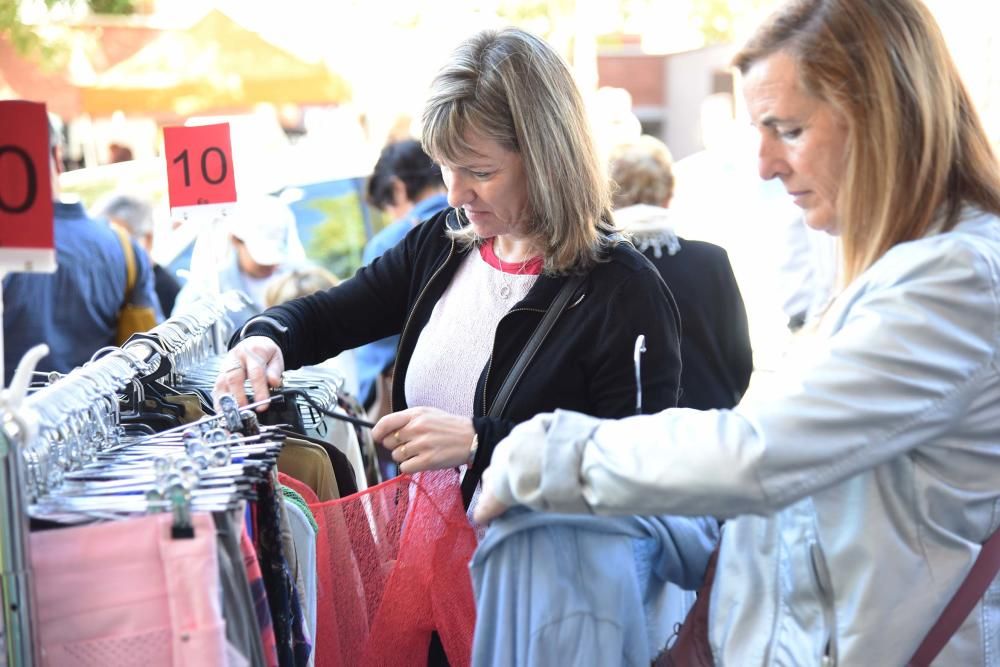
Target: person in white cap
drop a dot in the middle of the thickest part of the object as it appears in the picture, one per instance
(259, 244)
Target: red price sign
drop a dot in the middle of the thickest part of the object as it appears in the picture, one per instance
(199, 165)
(25, 177)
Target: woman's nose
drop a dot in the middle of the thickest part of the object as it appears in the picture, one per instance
(459, 193)
(770, 158)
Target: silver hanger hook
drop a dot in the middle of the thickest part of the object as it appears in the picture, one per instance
(640, 347)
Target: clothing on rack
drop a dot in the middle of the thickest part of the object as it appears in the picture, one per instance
(135, 431)
(283, 599)
(309, 463)
(162, 609)
(242, 628)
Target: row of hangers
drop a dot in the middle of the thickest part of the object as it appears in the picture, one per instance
(82, 446)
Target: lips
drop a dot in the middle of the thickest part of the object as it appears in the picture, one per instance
(798, 197)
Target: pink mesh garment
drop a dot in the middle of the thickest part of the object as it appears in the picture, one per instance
(125, 593)
(392, 566)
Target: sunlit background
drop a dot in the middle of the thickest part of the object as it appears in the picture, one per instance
(313, 89)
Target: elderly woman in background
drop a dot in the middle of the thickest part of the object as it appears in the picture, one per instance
(716, 358)
(861, 492)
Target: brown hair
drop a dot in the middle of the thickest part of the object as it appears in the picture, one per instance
(917, 152)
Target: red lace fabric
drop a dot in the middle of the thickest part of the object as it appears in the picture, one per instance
(392, 566)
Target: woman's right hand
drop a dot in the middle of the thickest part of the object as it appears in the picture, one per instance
(256, 358)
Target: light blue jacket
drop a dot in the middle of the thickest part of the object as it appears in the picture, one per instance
(558, 589)
(863, 479)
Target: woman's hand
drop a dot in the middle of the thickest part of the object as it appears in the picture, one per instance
(256, 358)
(488, 507)
(425, 439)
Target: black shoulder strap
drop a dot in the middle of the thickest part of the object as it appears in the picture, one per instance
(538, 336)
(552, 313)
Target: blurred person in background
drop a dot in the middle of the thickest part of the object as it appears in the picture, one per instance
(716, 357)
(303, 281)
(75, 310)
(406, 184)
(751, 221)
(258, 243)
(119, 153)
(614, 120)
(861, 489)
(135, 215)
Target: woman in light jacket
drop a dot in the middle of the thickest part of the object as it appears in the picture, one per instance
(860, 491)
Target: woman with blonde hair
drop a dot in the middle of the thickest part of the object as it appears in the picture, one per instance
(861, 492)
(467, 288)
(527, 240)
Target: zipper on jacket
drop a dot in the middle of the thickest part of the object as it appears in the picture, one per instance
(821, 575)
(409, 317)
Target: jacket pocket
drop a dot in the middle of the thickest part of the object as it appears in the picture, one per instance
(824, 588)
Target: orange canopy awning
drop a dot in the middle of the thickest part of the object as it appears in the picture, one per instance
(214, 65)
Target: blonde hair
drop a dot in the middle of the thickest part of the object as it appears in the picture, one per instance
(299, 282)
(512, 88)
(643, 172)
(916, 151)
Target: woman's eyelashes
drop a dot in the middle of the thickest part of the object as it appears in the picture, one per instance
(790, 134)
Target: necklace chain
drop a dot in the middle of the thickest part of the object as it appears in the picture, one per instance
(505, 288)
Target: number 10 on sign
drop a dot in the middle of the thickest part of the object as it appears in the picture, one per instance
(199, 165)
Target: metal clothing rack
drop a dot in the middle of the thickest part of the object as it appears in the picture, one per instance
(82, 403)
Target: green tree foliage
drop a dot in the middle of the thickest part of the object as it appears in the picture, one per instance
(719, 20)
(337, 242)
(25, 38)
(120, 7)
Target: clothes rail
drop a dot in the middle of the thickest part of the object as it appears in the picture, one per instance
(85, 398)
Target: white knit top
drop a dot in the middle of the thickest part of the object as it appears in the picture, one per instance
(457, 342)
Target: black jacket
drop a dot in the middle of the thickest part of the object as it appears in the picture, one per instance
(585, 364)
(715, 341)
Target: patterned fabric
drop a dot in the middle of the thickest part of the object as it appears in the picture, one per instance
(261, 607)
(286, 612)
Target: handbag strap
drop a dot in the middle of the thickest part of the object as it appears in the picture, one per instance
(126, 242)
(983, 571)
(538, 336)
(552, 313)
